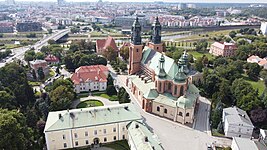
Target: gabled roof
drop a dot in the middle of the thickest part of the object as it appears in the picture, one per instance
(151, 58)
(51, 58)
(235, 115)
(142, 138)
(87, 117)
(94, 73)
(104, 43)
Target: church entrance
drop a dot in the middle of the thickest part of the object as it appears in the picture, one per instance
(96, 141)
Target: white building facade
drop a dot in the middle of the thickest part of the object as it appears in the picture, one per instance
(236, 123)
(264, 28)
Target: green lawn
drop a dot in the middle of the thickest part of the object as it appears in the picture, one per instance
(255, 84)
(32, 83)
(90, 103)
(118, 145)
(199, 54)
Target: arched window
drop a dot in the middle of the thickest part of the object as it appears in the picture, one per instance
(165, 111)
(156, 83)
(169, 86)
(158, 109)
(175, 89)
(180, 114)
(159, 86)
(187, 114)
(182, 90)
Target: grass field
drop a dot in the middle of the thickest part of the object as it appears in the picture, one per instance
(199, 54)
(90, 103)
(255, 84)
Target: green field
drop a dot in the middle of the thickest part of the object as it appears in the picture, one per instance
(90, 103)
(200, 54)
(255, 84)
(118, 145)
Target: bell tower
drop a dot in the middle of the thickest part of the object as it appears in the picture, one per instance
(156, 43)
(136, 47)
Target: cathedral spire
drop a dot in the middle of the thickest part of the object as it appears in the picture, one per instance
(156, 32)
(136, 33)
(161, 72)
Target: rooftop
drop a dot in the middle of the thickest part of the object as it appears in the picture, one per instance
(247, 144)
(235, 115)
(87, 117)
(142, 137)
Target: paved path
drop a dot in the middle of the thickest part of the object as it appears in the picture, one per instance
(105, 101)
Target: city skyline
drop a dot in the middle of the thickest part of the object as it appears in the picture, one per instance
(180, 1)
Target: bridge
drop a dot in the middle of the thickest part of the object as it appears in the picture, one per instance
(19, 52)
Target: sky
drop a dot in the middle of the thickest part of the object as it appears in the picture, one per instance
(184, 1)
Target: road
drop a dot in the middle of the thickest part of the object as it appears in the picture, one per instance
(19, 52)
(202, 120)
(175, 136)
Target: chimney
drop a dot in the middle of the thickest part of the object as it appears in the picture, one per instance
(146, 139)
(59, 116)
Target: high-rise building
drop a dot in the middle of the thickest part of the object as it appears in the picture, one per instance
(10, 2)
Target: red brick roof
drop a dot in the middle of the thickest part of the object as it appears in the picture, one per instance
(51, 58)
(104, 43)
(85, 73)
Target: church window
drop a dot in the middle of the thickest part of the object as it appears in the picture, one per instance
(137, 50)
(187, 114)
(182, 90)
(175, 89)
(169, 86)
(158, 109)
(165, 111)
(180, 114)
(159, 86)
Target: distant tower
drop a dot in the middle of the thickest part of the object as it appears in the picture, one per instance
(10, 2)
(135, 51)
(156, 43)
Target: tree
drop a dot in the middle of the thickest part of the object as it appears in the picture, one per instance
(110, 80)
(224, 94)
(61, 98)
(51, 42)
(227, 40)
(41, 74)
(29, 55)
(199, 65)
(39, 55)
(211, 84)
(232, 34)
(124, 52)
(50, 31)
(14, 133)
(202, 45)
(13, 76)
(7, 100)
(253, 70)
(111, 90)
(110, 54)
(216, 118)
(258, 115)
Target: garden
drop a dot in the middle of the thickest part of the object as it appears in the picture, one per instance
(90, 103)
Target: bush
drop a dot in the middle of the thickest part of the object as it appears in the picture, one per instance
(114, 98)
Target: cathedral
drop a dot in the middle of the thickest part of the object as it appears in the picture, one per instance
(162, 86)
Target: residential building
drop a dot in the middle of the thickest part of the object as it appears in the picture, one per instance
(236, 123)
(263, 135)
(51, 59)
(90, 78)
(126, 21)
(103, 44)
(6, 27)
(260, 61)
(160, 85)
(91, 126)
(246, 144)
(36, 64)
(223, 49)
(29, 26)
(264, 28)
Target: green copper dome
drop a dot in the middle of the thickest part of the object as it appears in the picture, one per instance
(161, 72)
(180, 76)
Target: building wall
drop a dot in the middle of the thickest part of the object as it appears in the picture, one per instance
(135, 57)
(264, 28)
(216, 51)
(161, 112)
(110, 132)
(234, 145)
(236, 130)
(92, 86)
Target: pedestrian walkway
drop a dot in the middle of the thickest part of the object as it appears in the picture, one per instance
(105, 101)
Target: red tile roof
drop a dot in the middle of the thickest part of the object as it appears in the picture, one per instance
(104, 43)
(85, 73)
(51, 58)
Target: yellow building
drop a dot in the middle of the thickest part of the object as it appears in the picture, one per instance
(90, 126)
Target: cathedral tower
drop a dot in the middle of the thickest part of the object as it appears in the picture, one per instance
(136, 47)
(156, 43)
